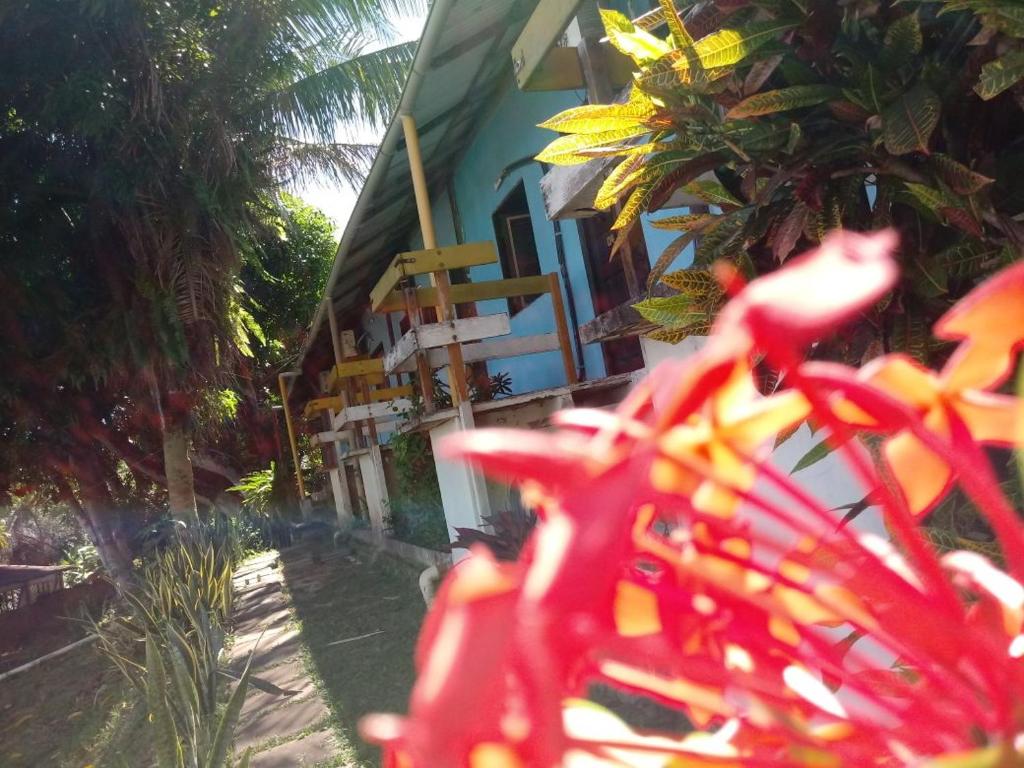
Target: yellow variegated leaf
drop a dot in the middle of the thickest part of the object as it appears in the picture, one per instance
(617, 182)
(679, 335)
(687, 223)
(908, 124)
(671, 311)
(960, 178)
(642, 47)
(698, 284)
(728, 47)
(616, 21)
(565, 149)
(651, 172)
(669, 255)
(600, 118)
(711, 192)
(680, 37)
(1000, 75)
(634, 206)
(783, 100)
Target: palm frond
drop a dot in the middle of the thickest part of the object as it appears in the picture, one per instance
(368, 85)
(303, 162)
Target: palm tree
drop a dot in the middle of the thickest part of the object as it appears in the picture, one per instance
(179, 123)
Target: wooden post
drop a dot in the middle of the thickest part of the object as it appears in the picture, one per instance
(412, 311)
(291, 435)
(445, 312)
(562, 328)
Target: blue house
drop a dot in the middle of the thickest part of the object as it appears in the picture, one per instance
(485, 74)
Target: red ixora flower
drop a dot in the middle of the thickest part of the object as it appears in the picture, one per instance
(672, 562)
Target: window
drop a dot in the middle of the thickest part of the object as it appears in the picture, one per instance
(513, 229)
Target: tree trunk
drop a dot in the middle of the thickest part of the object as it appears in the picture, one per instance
(99, 516)
(181, 491)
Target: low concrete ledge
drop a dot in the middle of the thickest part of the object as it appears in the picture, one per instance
(403, 550)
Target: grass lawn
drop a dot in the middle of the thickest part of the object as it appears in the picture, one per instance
(63, 713)
(371, 674)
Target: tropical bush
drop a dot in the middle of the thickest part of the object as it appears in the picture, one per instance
(674, 562)
(790, 119)
(416, 512)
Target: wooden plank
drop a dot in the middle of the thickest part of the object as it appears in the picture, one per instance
(433, 260)
(467, 293)
(442, 334)
(382, 395)
(372, 369)
(495, 349)
(388, 411)
(564, 341)
(559, 70)
(314, 407)
(545, 27)
(563, 70)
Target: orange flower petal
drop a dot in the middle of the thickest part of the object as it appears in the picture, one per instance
(763, 419)
(992, 418)
(923, 476)
(990, 319)
(903, 378)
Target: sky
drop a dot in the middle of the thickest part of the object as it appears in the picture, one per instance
(335, 198)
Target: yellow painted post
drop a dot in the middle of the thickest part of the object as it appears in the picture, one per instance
(457, 367)
(557, 306)
(291, 435)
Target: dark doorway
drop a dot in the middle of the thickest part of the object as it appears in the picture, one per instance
(609, 287)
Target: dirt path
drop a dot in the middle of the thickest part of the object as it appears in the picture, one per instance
(283, 732)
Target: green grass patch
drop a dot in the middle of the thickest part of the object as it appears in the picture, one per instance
(362, 676)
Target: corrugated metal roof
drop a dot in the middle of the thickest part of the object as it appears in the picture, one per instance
(463, 57)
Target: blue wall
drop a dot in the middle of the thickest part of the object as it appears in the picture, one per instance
(507, 135)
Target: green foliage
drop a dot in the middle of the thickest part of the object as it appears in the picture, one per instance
(257, 489)
(417, 514)
(791, 119)
(83, 564)
(286, 274)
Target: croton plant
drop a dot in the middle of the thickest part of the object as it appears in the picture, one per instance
(674, 562)
(789, 118)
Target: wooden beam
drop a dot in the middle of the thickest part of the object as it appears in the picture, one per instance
(466, 293)
(437, 335)
(391, 393)
(432, 260)
(353, 369)
(562, 328)
(495, 349)
(387, 411)
(544, 28)
(562, 69)
(314, 407)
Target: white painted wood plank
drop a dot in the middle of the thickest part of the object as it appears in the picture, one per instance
(496, 349)
(389, 410)
(437, 335)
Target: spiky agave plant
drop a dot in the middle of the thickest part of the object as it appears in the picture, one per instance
(674, 562)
